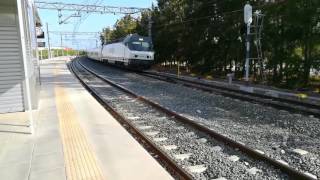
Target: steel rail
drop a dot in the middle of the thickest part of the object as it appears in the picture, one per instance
(291, 172)
(297, 102)
(308, 109)
(170, 164)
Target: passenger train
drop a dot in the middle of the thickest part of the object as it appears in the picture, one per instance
(133, 51)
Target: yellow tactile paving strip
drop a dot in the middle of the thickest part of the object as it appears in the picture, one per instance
(80, 160)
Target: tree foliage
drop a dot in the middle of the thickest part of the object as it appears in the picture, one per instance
(208, 36)
(122, 27)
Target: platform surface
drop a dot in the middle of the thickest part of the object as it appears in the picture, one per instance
(75, 137)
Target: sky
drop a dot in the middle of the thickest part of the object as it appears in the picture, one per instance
(91, 23)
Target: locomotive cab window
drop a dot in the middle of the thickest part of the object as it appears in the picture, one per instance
(140, 46)
(138, 43)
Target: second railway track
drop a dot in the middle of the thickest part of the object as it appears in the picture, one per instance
(202, 152)
(277, 102)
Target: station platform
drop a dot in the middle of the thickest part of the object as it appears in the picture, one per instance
(74, 137)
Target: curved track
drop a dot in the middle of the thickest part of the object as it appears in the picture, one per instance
(165, 160)
(294, 174)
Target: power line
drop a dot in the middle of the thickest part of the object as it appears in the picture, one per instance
(88, 8)
(84, 39)
(223, 14)
(73, 33)
(199, 18)
(85, 8)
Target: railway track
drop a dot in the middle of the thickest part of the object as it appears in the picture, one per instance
(161, 156)
(276, 102)
(183, 173)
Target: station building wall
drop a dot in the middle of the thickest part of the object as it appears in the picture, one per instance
(19, 65)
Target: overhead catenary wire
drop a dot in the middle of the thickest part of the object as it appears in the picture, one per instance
(220, 15)
(197, 19)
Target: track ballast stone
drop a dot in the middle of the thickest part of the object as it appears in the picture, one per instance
(275, 132)
(186, 140)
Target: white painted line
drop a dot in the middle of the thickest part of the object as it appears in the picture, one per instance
(190, 134)
(300, 151)
(182, 156)
(197, 168)
(170, 147)
(152, 133)
(253, 170)
(203, 140)
(162, 118)
(179, 128)
(145, 127)
(217, 148)
(107, 98)
(126, 97)
(233, 158)
(139, 122)
(160, 139)
(219, 109)
(220, 178)
(133, 117)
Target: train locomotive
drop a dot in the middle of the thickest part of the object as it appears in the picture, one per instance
(133, 51)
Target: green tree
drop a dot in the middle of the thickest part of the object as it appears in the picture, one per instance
(124, 26)
(208, 36)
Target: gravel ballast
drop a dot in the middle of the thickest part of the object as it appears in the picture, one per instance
(210, 158)
(279, 134)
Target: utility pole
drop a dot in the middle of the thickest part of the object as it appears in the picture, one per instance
(150, 26)
(40, 54)
(49, 48)
(247, 65)
(258, 19)
(248, 21)
(61, 44)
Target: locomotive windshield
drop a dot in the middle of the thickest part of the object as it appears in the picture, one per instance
(140, 46)
(138, 43)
